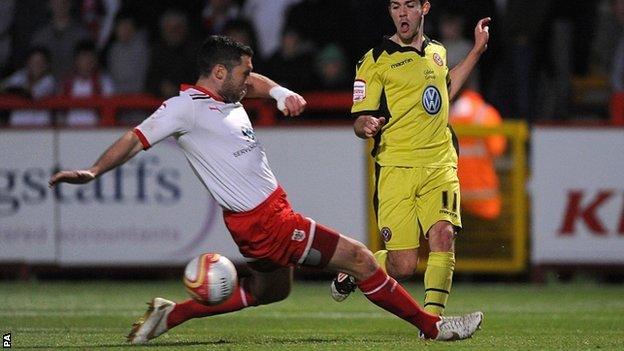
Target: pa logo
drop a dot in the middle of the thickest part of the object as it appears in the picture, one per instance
(6, 341)
(432, 100)
(248, 132)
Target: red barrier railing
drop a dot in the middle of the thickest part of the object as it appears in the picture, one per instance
(265, 111)
(617, 109)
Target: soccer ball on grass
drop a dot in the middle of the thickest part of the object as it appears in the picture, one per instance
(210, 278)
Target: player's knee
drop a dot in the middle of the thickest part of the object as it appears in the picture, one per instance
(363, 260)
(278, 295)
(442, 237)
(401, 269)
(273, 294)
(270, 287)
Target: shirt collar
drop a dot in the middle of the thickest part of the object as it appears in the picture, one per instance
(185, 87)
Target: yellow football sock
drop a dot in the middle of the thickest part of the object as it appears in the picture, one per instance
(381, 257)
(438, 280)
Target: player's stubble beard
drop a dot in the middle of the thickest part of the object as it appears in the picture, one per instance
(232, 92)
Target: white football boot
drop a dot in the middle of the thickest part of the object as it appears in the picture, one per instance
(153, 323)
(458, 328)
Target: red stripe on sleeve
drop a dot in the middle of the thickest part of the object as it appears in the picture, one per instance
(142, 138)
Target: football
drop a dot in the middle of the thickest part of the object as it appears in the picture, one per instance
(210, 278)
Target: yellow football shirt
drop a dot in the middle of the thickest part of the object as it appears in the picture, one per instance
(410, 89)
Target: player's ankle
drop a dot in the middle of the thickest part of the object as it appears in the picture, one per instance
(430, 330)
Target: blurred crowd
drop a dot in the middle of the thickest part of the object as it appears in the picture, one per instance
(548, 59)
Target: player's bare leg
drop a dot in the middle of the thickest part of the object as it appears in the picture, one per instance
(268, 283)
(399, 264)
(353, 258)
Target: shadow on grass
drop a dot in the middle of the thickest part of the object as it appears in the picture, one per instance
(124, 345)
(312, 340)
(184, 344)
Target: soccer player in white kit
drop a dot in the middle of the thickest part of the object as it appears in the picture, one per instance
(213, 130)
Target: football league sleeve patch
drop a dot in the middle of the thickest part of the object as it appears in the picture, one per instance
(367, 87)
(359, 90)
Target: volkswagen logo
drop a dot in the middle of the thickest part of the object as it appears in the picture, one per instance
(432, 100)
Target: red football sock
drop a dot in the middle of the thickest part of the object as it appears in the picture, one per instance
(385, 292)
(183, 311)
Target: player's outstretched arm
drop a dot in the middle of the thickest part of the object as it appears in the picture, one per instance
(367, 126)
(118, 153)
(462, 70)
(289, 102)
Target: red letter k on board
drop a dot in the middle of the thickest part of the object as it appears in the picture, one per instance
(574, 211)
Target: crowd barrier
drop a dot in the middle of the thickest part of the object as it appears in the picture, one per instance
(617, 109)
(264, 110)
(577, 197)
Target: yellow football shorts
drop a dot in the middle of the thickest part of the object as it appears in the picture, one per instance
(409, 200)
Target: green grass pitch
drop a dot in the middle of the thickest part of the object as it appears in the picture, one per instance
(96, 315)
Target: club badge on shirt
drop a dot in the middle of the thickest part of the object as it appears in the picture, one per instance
(438, 59)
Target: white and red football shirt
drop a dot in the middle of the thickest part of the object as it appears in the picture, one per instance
(219, 142)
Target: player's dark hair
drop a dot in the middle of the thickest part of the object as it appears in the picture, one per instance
(221, 50)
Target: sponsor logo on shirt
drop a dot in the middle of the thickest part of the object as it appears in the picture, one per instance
(447, 212)
(246, 150)
(432, 100)
(248, 132)
(429, 74)
(402, 63)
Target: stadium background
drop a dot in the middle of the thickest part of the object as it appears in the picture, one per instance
(553, 70)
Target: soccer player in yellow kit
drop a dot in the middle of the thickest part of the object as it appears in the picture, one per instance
(401, 99)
